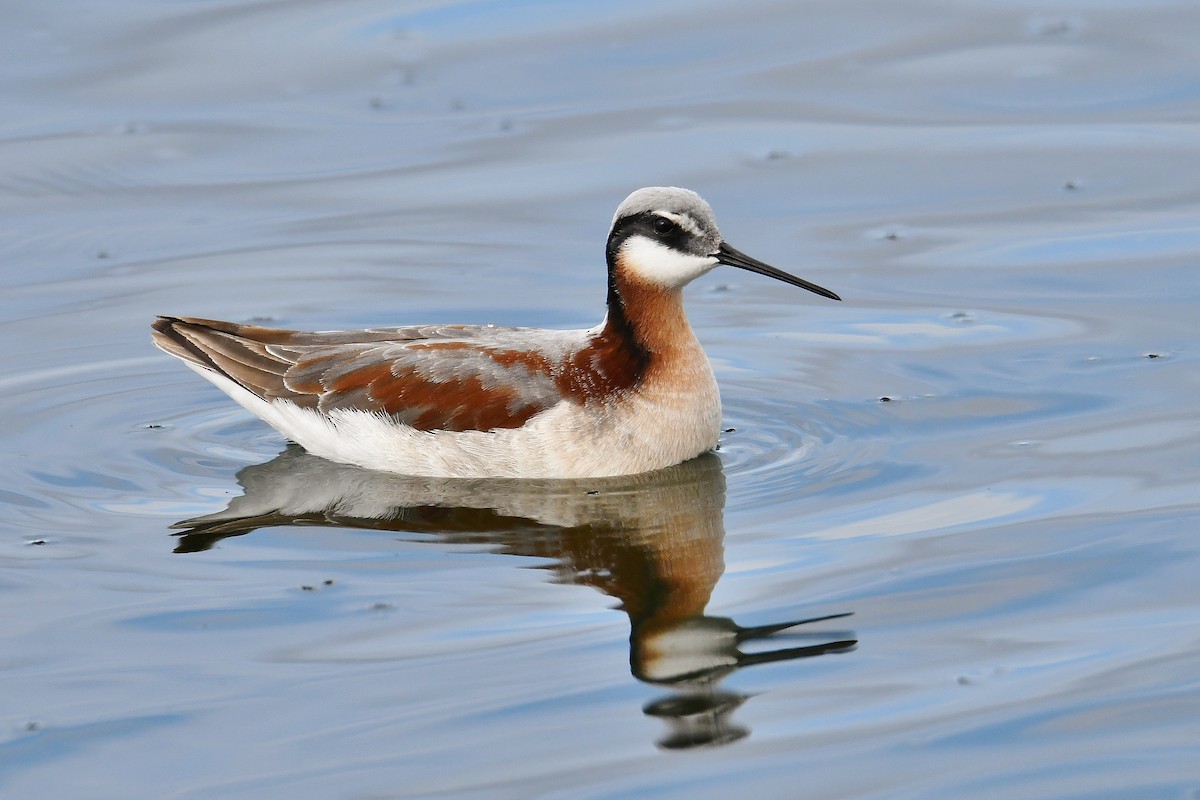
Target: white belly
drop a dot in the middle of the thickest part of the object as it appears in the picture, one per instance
(644, 430)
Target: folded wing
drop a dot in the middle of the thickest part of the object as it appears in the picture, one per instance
(454, 378)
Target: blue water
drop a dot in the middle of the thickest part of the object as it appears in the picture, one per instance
(987, 454)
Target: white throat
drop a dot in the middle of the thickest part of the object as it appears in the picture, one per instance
(662, 265)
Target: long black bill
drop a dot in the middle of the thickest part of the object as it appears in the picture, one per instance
(733, 257)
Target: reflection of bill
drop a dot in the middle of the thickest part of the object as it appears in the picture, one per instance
(693, 656)
(653, 541)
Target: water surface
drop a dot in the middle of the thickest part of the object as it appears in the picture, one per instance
(986, 454)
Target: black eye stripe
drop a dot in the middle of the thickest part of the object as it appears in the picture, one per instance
(657, 228)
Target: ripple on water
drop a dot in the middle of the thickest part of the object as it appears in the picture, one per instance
(776, 451)
(881, 465)
(160, 444)
(924, 329)
(114, 433)
(110, 434)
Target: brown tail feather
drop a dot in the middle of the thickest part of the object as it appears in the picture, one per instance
(239, 352)
(170, 340)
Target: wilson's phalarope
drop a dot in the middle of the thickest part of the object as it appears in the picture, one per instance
(635, 393)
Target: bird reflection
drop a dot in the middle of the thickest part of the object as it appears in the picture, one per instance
(652, 541)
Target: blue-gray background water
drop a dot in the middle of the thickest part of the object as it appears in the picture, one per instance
(988, 453)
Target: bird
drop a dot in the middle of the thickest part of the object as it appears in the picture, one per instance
(633, 394)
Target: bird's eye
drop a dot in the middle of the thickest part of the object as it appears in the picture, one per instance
(663, 226)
